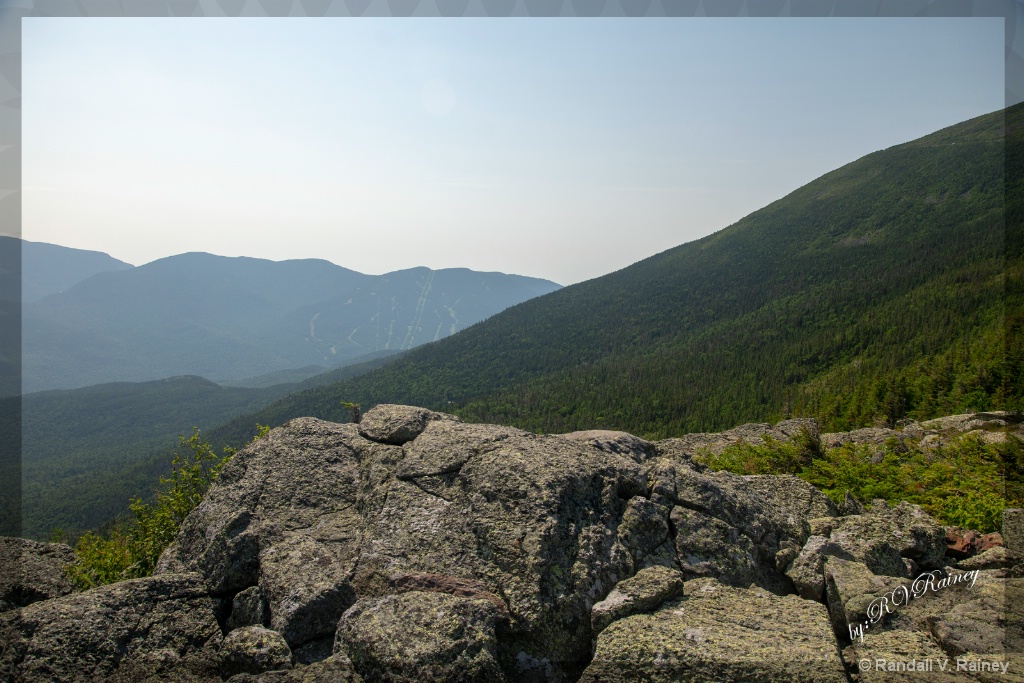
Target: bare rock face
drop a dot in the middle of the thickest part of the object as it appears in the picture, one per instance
(742, 530)
(965, 622)
(807, 571)
(620, 443)
(319, 516)
(871, 659)
(32, 571)
(397, 424)
(422, 636)
(413, 546)
(723, 634)
(638, 594)
(889, 541)
(851, 588)
(334, 669)
(254, 649)
(249, 608)
(126, 629)
(283, 517)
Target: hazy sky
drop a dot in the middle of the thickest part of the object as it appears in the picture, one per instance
(557, 148)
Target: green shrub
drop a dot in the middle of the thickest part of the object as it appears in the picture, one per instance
(770, 457)
(968, 482)
(131, 549)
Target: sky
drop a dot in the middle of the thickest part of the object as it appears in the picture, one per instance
(556, 148)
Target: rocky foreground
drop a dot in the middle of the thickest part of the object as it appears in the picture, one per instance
(414, 547)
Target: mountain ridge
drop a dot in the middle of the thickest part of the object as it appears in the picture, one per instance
(228, 318)
(675, 343)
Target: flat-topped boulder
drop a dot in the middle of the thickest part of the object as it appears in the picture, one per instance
(723, 634)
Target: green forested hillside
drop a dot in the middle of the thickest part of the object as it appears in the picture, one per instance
(86, 452)
(874, 292)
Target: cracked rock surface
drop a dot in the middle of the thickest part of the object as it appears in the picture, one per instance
(415, 547)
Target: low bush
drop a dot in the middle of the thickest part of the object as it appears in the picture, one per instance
(131, 548)
(966, 482)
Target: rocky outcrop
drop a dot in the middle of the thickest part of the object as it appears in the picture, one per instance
(254, 649)
(756, 433)
(723, 634)
(32, 571)
(641, 593)
(415, 547)
(318, 516)
(741, 530)
(132, 628)
(888, 541)
(423, 635)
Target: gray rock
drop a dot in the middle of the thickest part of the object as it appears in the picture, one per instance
(735, 527)
(1013, 531)
(708, 547)
(790, 494)
(422, 636)
(644, 530)
(723, 634)
(993, 558)
(466, 551)
(136, 624)
(283, 516)
(807, 571)
(619, 443)
(334, 669)
(871, 658)
(851, 590)
(799, 426)
(306, 586)
(684, 448)
(971, 616)
(394, 424)
(314, 650)
(438, 583)
(248, 608)
(253, 650)
(883, 537)
(643, 592)
(32, 571)
(851, 506)
(968, 421)
(876, 436)
(316, 515)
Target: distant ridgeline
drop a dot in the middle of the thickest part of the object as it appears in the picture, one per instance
(873, 293)
(234, 319)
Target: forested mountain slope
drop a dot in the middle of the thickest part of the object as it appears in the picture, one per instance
(873, 292)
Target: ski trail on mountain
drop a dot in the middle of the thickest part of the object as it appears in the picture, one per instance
(417, 316)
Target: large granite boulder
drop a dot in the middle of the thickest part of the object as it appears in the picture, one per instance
(720, 634)
(742, 530)
(283, 517)
(254, 649)
(423, 636)
(891, 541)
(132, 630)
(31, 571)
(319, 517)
